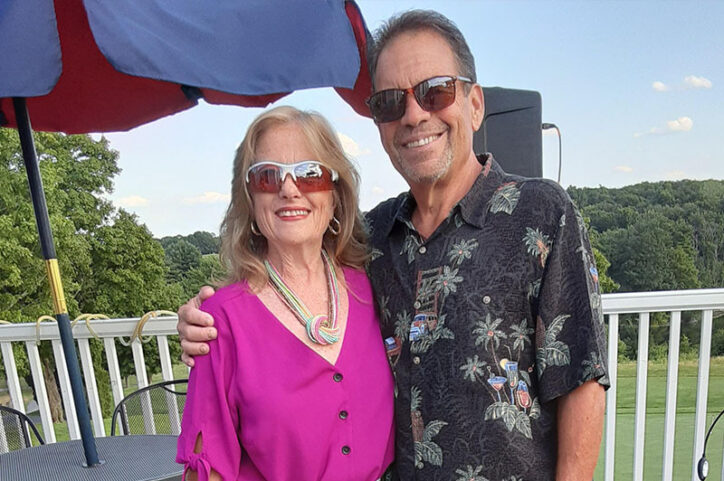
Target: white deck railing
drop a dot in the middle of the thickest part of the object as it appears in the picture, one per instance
(704, 301)
(110, 331)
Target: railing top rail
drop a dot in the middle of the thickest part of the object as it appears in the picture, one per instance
(663, 301)
(618, 303)
(102, 327)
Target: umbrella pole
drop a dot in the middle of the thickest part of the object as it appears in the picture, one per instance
(56, 287)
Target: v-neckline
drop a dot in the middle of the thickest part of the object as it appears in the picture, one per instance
(296, 338)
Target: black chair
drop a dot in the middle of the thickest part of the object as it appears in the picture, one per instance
(14, 432)
(154, 409)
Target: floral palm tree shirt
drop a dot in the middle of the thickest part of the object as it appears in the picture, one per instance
(486, 323)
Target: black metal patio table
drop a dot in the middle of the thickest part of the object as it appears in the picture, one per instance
(132, 458)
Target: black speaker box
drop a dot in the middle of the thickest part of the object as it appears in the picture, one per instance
(511, 130)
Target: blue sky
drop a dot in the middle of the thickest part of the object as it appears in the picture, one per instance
(635, 87)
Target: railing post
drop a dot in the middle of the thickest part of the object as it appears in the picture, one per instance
(11, 373)
(114, 370)
(91, 387)
(66, 390)
(642, 366)
(672, 381)
(611, 397)
(36, 370)
(146, 407)
(702, 389)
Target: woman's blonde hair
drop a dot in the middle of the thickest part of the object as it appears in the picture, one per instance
(242, 252)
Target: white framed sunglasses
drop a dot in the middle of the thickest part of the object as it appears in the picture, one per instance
(308, 176)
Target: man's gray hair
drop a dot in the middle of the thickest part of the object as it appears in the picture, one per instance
(421, 20)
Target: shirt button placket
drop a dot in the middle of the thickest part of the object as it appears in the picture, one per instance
(342, 414)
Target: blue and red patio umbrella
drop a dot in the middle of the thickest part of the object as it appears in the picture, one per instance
(79, 66)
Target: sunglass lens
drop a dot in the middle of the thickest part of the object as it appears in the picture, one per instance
(435, 94)
(312, 178)
(265, 179)
(387, 105)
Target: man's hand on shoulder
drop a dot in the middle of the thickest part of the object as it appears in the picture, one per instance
(195, 327)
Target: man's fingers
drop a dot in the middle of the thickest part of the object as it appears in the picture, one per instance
(188, 360)
(191, 348)
(210, 333)
(205, 292)
(195, 335)
(195, 327)
(189, 313)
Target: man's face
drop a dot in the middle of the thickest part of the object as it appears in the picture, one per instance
(426, 146)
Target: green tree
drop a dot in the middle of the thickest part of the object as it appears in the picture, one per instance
(181, 257)
(109, 264)
(717, 343)
(698, 205)
(604, 281)
(654, 253)
(209, 272)
(205, 242)
(129, 274)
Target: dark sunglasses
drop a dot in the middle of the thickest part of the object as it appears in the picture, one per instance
(308, 176)
(432, 95)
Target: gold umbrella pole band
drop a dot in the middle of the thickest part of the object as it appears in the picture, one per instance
(56, 286)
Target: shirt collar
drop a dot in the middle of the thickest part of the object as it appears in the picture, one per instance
(473, 207)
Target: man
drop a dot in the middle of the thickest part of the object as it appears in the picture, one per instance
(486, 285)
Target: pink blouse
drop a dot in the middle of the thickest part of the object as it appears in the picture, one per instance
(270, 408)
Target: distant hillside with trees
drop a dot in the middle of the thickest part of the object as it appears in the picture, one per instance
(660, 236)
(205, 242)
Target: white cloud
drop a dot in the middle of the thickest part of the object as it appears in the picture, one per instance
(682, 124)
(377, 190)
(133, 201)
(623, 168)
(208, 198)
(694, 82)
(351, 147)
(660, 86)
(689, 82)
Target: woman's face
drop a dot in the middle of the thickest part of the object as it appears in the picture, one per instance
(290, 219)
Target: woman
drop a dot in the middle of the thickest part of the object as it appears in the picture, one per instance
(297, 384)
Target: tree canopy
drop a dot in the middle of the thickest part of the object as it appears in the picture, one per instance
(661, 235)
(205, 242)
(109, 262)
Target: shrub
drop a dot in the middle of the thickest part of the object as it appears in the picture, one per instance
(717, 343)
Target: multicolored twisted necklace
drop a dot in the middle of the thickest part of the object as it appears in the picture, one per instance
(321, 329)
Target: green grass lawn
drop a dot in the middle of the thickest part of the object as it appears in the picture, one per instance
(655, 412)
